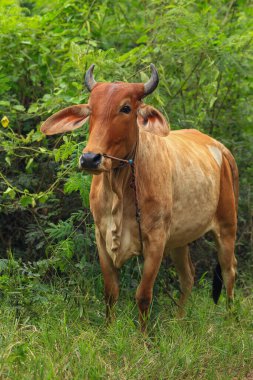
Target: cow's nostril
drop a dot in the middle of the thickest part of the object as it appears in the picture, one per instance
(90, 160)
(97, 159)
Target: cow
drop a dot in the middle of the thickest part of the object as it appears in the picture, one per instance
(153, 191)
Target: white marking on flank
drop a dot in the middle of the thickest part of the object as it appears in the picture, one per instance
(216, 154)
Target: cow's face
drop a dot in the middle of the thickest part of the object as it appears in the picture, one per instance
(113, 111)
(113, 124)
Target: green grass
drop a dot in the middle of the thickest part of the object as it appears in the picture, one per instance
(59, 338)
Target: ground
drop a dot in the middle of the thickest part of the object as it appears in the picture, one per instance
(64, 336)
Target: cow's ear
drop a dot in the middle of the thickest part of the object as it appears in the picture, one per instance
(66, 120)
(152, 120)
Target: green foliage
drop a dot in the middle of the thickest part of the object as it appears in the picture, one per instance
(203, 52)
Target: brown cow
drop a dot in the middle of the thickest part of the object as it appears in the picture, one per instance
(186, 184)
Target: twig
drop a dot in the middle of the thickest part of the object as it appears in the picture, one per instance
(183, 103)
(224, 98)
(228, 11)
(172, 298)
(213, 108)
(137, 72)
(188, 77)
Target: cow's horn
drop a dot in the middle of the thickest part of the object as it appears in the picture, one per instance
(151, 85)
(89, 79)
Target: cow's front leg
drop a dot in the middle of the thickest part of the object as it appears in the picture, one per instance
(111, 281)
(153, 253)
(111, 285)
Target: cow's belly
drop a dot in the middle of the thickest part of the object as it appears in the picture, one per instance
(193, 213)
(182, 234)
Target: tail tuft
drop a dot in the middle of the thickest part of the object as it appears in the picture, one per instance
(217, 283)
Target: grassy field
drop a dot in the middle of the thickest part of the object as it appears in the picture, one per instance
(64, 336)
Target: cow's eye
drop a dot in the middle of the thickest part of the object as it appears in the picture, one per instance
(125, 109)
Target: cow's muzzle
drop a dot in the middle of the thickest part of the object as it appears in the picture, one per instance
(90, 161)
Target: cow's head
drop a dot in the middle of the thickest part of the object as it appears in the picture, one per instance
(114, 111)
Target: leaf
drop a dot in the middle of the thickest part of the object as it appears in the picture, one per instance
(26, 200)
(61, 230)
(142, 39)
(212, 101)
(33, 108)
(8, 160)
(29, 163)
(81, 183)
(19, 107)
(67, 248)
(38, 136)
(65, 150)
(5, 103)
(10, 192)
(43, 198)
(42, 150)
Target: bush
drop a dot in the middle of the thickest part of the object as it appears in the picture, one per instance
(203, 53)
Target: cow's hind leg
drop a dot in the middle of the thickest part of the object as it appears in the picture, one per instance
(226, 269)
(185, 269)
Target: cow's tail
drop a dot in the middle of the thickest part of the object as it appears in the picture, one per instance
(235, 175)
(217, 283)
(217, 275)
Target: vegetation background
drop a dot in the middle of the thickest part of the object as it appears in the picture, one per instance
(50, 283)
